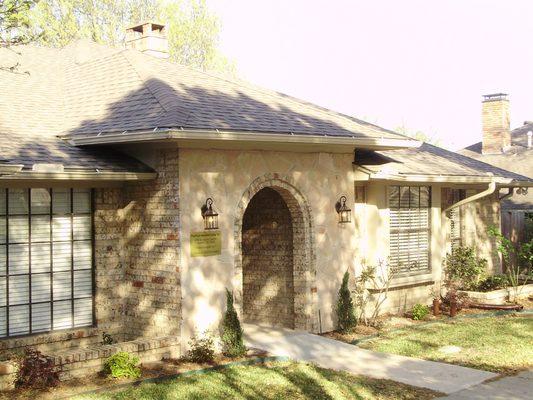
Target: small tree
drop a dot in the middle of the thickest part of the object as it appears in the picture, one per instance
(232, 343)
(345, 309)
(518, 259)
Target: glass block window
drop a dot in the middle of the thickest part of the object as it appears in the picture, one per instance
(409, 228)
(46, 260)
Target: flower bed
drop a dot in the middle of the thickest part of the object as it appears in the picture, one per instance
(499, 296)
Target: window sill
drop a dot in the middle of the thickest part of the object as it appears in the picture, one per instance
(407, 281)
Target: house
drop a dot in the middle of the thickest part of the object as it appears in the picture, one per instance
(137, 190)
(511, 150)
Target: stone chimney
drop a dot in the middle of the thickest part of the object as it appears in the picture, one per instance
(496, 123)
(149, 38)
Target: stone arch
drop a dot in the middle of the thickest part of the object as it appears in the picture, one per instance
(304, 259)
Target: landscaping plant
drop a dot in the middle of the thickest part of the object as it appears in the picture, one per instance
(518, 259)
(36, 370)
(493, 282)
(345, 308)
(201, 349)
(232, 343)
(122, 365)
(464, 268)
(368, 277)
(419, 312)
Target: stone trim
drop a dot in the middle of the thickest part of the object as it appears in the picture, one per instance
(304, 257)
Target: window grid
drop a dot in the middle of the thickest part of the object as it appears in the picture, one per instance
(409, 229)
(29, 305)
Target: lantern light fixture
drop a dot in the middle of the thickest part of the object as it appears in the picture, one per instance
(209, 215)
(345, 213)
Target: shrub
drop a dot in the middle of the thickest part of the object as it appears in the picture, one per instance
(420, 311)
(202, 350)
(232, 343)
(463, 268)
(493, 282)
(122, 365)
(36, 370)
(345, 308)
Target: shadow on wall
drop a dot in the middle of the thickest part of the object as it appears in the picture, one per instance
(149, 247)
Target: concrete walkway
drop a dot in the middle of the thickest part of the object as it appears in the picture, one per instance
(519, 387)
(333, 354)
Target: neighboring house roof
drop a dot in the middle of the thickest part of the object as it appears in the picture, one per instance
(518, 159)
(429, 161)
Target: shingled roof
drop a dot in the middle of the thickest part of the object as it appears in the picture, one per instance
(91, 91)
(429, 160)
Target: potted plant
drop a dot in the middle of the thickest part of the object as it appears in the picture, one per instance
(435, 294)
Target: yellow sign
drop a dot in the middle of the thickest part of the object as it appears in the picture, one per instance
(206, 243)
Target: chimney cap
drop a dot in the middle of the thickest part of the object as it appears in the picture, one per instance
(495, 96)
(154, 26)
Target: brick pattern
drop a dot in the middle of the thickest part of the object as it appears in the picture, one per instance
(151, 225)
(496, 126)
(137, 264)
(267, 243)
(81, 362)
(478, 217)
(304, 258)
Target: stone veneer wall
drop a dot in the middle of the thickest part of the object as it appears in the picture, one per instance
(267, 259)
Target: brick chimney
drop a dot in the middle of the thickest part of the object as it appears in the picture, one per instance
(496, 123)
(149, 38)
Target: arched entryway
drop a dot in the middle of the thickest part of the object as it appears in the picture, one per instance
(275, 276)
(267, 261)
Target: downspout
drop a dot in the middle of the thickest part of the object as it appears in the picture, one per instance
(490, 190)
(508, 194)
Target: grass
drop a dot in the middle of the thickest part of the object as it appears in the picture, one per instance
(279, 380)
(498, 344)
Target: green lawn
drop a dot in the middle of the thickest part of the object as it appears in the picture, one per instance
(499, 344)
(280, 380)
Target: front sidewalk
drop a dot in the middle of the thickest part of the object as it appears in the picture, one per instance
(332, 354)
(517, 387)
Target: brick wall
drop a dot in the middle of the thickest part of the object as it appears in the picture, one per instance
(267, 246)
(478, 217)
(496, 126)
(151, 245)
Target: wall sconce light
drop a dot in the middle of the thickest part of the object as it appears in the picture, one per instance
(209, 215)
(345, 214)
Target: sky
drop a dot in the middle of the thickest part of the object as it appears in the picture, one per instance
(421, 64)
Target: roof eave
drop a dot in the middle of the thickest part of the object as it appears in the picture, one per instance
(217, 138)
(79, 176)
(454, 179)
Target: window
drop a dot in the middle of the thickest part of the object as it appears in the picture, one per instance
(409, 228)
(455, 216)
(46, 252)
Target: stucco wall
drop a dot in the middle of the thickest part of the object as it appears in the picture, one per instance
(226, 176)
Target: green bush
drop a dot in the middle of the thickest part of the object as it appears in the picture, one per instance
(201, 350)
(122, 365)
(463, 268)
(419, 312)
(493, 282)
(345, 309)
(232, 343)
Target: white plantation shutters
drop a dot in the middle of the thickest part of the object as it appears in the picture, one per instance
(409, 228)
(46, 274)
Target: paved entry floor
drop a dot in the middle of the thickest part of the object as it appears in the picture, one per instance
(333, 354)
